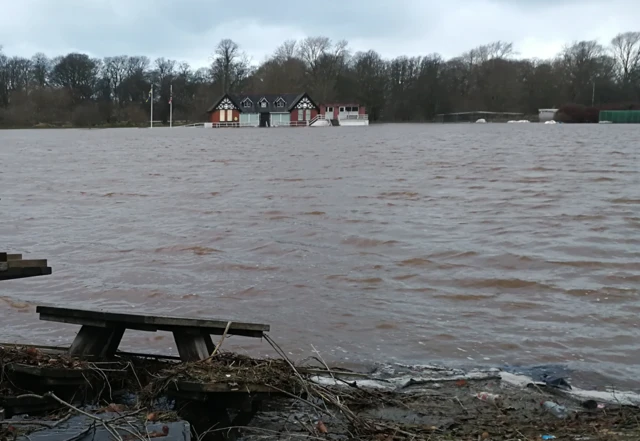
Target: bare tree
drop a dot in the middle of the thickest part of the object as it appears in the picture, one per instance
(584, 63)
(626, 52)
(4, 80)
(137, 65)
(311, 50)
(18, 74)
(135, 85)
(324, 61)
(286, 51)
(184, 70)
(115, 72)
(498, 50)
(230, 65)
(164, 68)
(41, 67)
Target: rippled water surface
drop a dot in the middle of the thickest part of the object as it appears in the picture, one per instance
(464, 244)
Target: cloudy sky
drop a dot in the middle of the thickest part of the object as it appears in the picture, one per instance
(188, 30)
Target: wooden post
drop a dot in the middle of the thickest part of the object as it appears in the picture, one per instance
(192, 345)
(96, 342)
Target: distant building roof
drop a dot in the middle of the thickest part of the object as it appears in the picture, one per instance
(270, 102)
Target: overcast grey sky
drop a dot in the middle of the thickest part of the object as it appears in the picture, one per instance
(188, 30)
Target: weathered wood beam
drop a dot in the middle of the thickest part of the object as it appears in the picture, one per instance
(33, 263)
(150, 322)
(96, 342)
(192, 345)
(7, 273)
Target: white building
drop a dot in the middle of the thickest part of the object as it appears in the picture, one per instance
(546, 114)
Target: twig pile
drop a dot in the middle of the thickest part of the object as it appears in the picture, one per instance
(34, 357)
(443, 411)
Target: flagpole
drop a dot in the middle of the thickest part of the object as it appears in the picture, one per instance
(171, 107)
(151, 121)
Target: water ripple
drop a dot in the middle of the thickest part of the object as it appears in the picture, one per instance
(517, 245)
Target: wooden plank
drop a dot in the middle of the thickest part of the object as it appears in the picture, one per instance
(138, 321)
(192, 346)
(210, 344)
(50, 372)
(21, 273)
(250, 388)
(97, 323)
(27, 404)
(58, 349)
(14, 257)
(97, 342)
(114, 342)
(33, 263)
(159, 321)
(74, 321)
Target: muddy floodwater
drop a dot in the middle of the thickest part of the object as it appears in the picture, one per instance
(485, 245)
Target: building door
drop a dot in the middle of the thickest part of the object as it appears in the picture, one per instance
(328, 114)
(342, 114)
(223, 115)
(265, 119)
(229, 115)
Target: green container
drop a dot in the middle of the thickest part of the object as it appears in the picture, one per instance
(620, 116)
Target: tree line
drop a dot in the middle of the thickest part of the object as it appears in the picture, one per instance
(76, 89)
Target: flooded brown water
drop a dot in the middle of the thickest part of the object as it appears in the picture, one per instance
(463, 244)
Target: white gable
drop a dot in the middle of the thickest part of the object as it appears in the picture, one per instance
(226, 104)
(305, 103)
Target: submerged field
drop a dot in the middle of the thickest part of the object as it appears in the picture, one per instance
(467, 245)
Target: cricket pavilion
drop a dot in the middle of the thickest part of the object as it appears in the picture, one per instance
(281, 110)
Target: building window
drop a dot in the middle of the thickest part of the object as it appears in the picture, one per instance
(247, 103)
(263, 103)
(300, 115)
(280, 103)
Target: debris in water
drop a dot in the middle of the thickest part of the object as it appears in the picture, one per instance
(558, 382)
(555, 409)
(590, 404)
(489, 397)
(321, 427)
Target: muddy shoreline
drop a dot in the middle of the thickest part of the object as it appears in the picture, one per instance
(314, 401)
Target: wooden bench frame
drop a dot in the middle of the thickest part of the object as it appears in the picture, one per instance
(101, 331)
